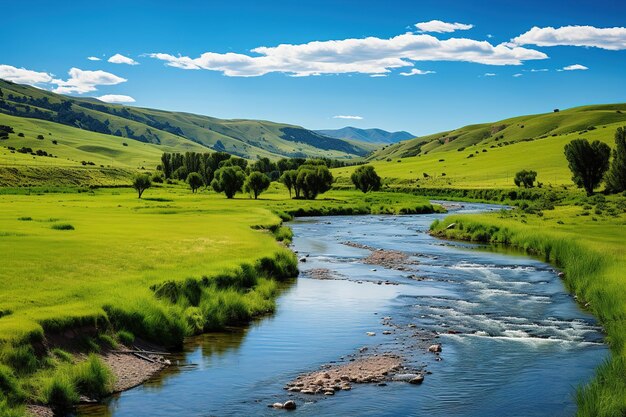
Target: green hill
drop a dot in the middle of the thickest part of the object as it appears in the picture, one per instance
(178, 131)
(489, 155)
(513, 130)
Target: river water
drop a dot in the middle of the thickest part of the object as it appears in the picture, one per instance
(514, 342)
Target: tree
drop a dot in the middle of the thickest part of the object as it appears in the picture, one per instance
(195, 181)
(288, 179)
(525, 178)
(228, 180)
(366, 179)
(256, 183)
(588, 162)
(141, 183)
(313, 180)
(166, 164)
(616, 177)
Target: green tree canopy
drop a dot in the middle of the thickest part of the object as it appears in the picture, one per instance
(366, 179)
(195, 181)
(141, 183)
(588, 162)
(288, 179)
(616, 177)
(228, 180)
(256, 183)
(525, 178)
(313, 180)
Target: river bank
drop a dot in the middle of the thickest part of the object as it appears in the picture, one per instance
(593, 258)
(458, 299)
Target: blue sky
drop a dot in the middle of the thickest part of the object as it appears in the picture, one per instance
(307, 84)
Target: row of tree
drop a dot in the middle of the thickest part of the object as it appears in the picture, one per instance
(229, 175)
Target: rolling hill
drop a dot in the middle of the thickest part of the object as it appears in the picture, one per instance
(508, 131)
(174, 130)
(373, 136)
(488, 155)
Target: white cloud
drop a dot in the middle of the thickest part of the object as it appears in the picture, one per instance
(23, 76)
(93, 58)
(489, 35)
(415, 71)
(348, 117)
(606, 38)
(366, 55)
(85, 81)
(378, 75)
(575, 67)
(490, 74)
(121, 59)
(116, 98)
(517, 75)
(441, 27)
(539, 70)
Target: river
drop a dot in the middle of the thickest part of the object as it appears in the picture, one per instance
(514, 343)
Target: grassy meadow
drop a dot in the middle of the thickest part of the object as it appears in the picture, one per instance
(162, 267)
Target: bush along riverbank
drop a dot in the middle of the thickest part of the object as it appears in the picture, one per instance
(593, 261)
(63, 364)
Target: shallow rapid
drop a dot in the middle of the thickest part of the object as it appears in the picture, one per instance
(513, 341)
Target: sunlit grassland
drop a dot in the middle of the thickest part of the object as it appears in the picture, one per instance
(488, 167)
(122, 245)
(590, 248)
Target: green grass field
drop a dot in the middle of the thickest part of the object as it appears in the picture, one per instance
(162, 267)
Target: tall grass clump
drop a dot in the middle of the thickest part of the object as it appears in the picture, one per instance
(21, 358)
(59, 391)
(92, 377)
(10, 391)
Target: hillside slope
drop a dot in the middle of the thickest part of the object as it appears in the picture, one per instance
(508, 131)
(374, 136)
(477, 158)
(245, 138)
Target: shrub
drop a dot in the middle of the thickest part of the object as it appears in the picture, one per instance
(525, 178)
(366, 179)
(62, 355)
(62, 226)
(21, 135)
(157, 178)
(40, 137)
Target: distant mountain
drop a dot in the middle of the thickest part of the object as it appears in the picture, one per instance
(174, 130)
(377, 136)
